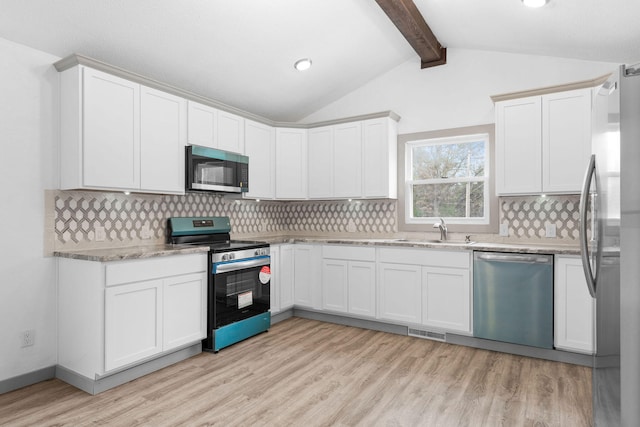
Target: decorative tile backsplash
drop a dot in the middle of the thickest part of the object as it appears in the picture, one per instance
(72, 217)
(528, 216)
(76, 214)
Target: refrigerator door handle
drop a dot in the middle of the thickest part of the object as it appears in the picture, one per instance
(584, 244)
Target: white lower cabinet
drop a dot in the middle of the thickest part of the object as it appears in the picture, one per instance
(117, 314)
(349, 280)
(426, 287)
(282, 269)
(574, 309)
(133, 323)
(306, 276)
(335, 285)
(446, 298)
(400, 292)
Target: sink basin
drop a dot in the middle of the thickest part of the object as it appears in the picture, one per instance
(450, 242)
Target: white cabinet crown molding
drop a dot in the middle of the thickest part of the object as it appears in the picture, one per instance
(77, 59)
(583, 84)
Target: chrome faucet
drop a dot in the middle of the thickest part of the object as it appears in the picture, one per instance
(443, 229)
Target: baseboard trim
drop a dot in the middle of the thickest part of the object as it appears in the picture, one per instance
(522, 350)
(98, 385)
(283, 315)
(30, 378)
(351, 321)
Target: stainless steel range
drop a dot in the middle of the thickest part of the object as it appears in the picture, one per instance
(239, 279)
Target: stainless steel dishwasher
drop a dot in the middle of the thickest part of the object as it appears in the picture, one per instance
(513, 298)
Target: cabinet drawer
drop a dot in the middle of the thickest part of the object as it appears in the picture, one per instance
(354, 253)
(428, 257)
(138, 270)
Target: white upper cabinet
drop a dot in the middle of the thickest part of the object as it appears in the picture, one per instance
(109, 149)
(213, 128)
(119, 135)
(163, 135)
(260, 147)
(203, 125)
(347, 160)
(353, 160)
(543, 142)
(230, 135)
(291, 163)
(379, 154)
(321, 155)
(519, 146)
(566, 139)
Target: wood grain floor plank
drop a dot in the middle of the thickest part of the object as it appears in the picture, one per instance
(308, 373)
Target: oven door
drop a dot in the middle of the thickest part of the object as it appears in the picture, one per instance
(241, 289)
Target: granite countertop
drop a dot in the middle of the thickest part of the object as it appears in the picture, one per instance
(133, 252)
(140, 252)
(433, 244)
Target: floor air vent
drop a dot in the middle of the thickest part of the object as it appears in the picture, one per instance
(438, 336)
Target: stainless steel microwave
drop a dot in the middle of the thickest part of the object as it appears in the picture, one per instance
(208, 169)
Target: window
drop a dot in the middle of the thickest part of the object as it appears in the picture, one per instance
(448, 177)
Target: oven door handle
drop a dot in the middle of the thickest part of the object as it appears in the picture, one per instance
(227, 266)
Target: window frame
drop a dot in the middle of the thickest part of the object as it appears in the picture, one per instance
(409, 182)
(492, 202)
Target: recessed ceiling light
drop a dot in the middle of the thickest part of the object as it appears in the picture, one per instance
(535, 3)
(302, 64)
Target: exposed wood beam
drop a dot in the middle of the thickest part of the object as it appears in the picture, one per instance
(406, 16)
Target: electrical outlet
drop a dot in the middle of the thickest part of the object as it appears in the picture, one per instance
(100, 234)
(28, 337)
(550, 230)
(145, 233)
(504, 229)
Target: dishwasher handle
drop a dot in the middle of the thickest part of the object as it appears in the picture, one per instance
(520, 258)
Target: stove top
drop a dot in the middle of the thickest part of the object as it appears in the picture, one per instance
(208, 231)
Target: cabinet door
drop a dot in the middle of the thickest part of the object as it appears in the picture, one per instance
(321, 165)
(184, 310)
(291, 163)
(286, 277)
(335, 285)
(274, 289)
(163, 135)
(133, 323)
(260, 143)
(399, 292)
(566, 139)
(347, 160)
(446, 298)
(519, 146)
(202, 124)
(574, 309)
(379, 158)
(362, 288)
(111, 131)
(230, 135)
(307, 265)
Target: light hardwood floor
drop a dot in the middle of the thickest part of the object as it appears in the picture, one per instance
(308, 373)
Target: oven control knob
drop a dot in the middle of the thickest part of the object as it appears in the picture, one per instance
(258, 252)
(232, 256)
(225, 257)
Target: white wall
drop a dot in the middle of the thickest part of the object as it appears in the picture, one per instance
(456, 94)
(28, 129)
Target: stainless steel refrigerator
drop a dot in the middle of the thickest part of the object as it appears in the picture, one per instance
(610, 246)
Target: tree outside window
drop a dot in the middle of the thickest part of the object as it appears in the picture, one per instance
(448, 177)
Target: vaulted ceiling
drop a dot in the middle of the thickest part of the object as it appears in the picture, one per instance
(241, 52)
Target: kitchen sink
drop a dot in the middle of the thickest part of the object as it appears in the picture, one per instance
(451, 242)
